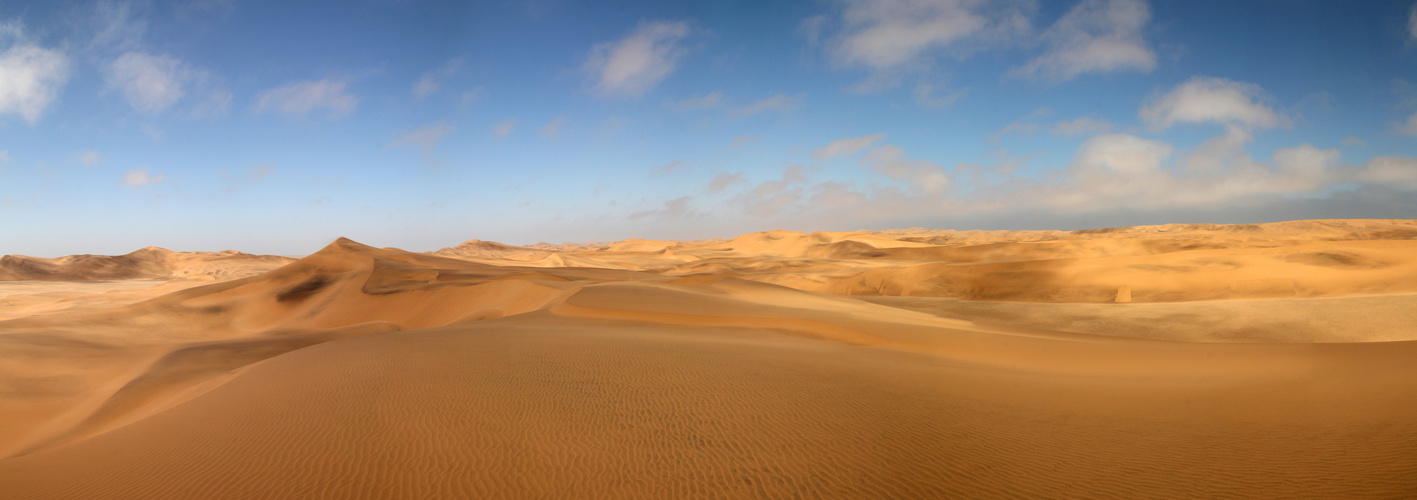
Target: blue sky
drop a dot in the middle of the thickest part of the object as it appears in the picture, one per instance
(275, 127)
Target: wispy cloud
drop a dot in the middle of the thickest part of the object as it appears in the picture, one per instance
(742, 140)
(1410, 126)
(677, 208)
(1096, 36)
(426, 138)
(116, 27)
(139, 177)
(884, 34)
(928, 96)
(88, 158)
(504, 128)
(781, 103)
(1214, 100)
(472, 96)
(1412, 23)
(1021, 128)
(696, 103)
(639, 61)
(847, 146)
(1082, 126)
(431, 82)
(723, 181)
(261, 170)
(300, 98)
(669, 168)
(924, 176)
(30, 75)
(150, 83)
(773, 197)
(552, 130)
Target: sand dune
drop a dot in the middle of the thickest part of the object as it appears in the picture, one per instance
(1268, 360)
(147, 263)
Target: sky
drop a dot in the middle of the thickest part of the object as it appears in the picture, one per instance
(277, 127)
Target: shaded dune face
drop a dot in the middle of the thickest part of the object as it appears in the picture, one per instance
(748, 367)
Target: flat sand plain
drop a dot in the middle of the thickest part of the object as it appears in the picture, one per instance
(1272, 360)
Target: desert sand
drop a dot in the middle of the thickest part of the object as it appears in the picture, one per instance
(1219, 361)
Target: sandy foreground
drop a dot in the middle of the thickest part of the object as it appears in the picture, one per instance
(1272, 360)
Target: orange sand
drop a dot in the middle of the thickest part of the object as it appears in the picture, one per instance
(1270, 360)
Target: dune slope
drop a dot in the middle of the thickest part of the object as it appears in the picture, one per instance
(368, 372)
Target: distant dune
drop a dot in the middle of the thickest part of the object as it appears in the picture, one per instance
(1177, 361)
(148, 263)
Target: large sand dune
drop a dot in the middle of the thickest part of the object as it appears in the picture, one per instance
(1271, 360)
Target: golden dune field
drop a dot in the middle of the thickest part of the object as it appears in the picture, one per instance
(1218, 361)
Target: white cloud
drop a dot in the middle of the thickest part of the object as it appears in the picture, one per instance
(139, 177)
(426, 138)
(1096, 36)
(1082, 126)
(552, 130)
(504, 128)
(847, 146)
(925, 95)
(696, 103)
(1410, 127)
(781, 102)
(1121, 154)
(1353, 140)
(300, 98)
(1108, 174)
(1215, 100)
(1300, 169)
(1220, 153)
(4, 156)
(634, 64)
(30, 76)
(150, 83)
(885, 34)
(1394, 171)
(88, 158)
(432, 81)
(925, 177)
(1120, 171)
